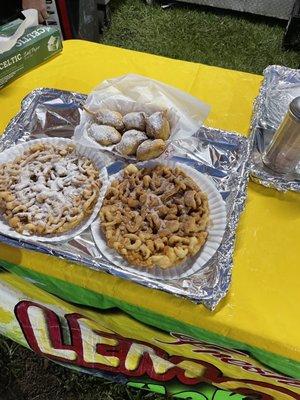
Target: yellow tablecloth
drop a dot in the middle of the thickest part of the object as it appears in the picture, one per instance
(262, 306)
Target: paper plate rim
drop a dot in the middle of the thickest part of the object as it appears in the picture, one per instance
(192, 265)
(11, 153)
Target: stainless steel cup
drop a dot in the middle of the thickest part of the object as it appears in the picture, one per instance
(283, 153)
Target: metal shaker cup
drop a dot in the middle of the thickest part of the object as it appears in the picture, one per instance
(283, 153)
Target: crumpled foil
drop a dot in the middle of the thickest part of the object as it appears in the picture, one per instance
(222, 155)
(280, 86)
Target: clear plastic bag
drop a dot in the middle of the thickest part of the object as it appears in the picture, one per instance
(138, 93)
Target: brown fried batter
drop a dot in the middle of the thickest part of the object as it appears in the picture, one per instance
(155, 216)
(48, 189)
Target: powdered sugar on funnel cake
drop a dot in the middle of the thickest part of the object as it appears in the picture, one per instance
(48, 190)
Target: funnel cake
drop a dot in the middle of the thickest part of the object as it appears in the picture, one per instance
(48, 190)
(155, 217)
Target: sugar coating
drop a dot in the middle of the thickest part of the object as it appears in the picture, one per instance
(47, 185)
(155, 122)
(157, 126)
(59, 180)
(135, 120)
(105, 135)
(111, 118)
(150, 149)
(130, 142)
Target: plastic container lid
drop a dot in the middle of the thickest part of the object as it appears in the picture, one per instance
(295, 107)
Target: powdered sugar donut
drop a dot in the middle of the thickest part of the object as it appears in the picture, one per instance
(135, 120)
(150, 149)
(111, 118)
(105, 135)
(130, 142)
(157, 126)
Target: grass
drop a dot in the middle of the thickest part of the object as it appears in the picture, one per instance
(193, 33)
(198, 34)
(26, 376)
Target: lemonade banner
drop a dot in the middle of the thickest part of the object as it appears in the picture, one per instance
(114, 345)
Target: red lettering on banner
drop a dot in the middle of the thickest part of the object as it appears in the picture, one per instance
(114, 353)
(218, 352)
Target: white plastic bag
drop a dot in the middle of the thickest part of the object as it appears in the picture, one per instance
(132, 92)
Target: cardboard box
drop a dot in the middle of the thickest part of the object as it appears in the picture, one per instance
(37, 45)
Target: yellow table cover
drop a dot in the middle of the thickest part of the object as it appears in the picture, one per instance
(261, 311)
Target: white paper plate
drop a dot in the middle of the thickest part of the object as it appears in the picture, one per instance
(216, 228)
(98, 159)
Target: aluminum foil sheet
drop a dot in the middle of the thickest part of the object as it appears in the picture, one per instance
(280, 86)
(222, 155)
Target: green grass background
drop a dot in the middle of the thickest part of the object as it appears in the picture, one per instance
(214, 37)
(194, 33)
